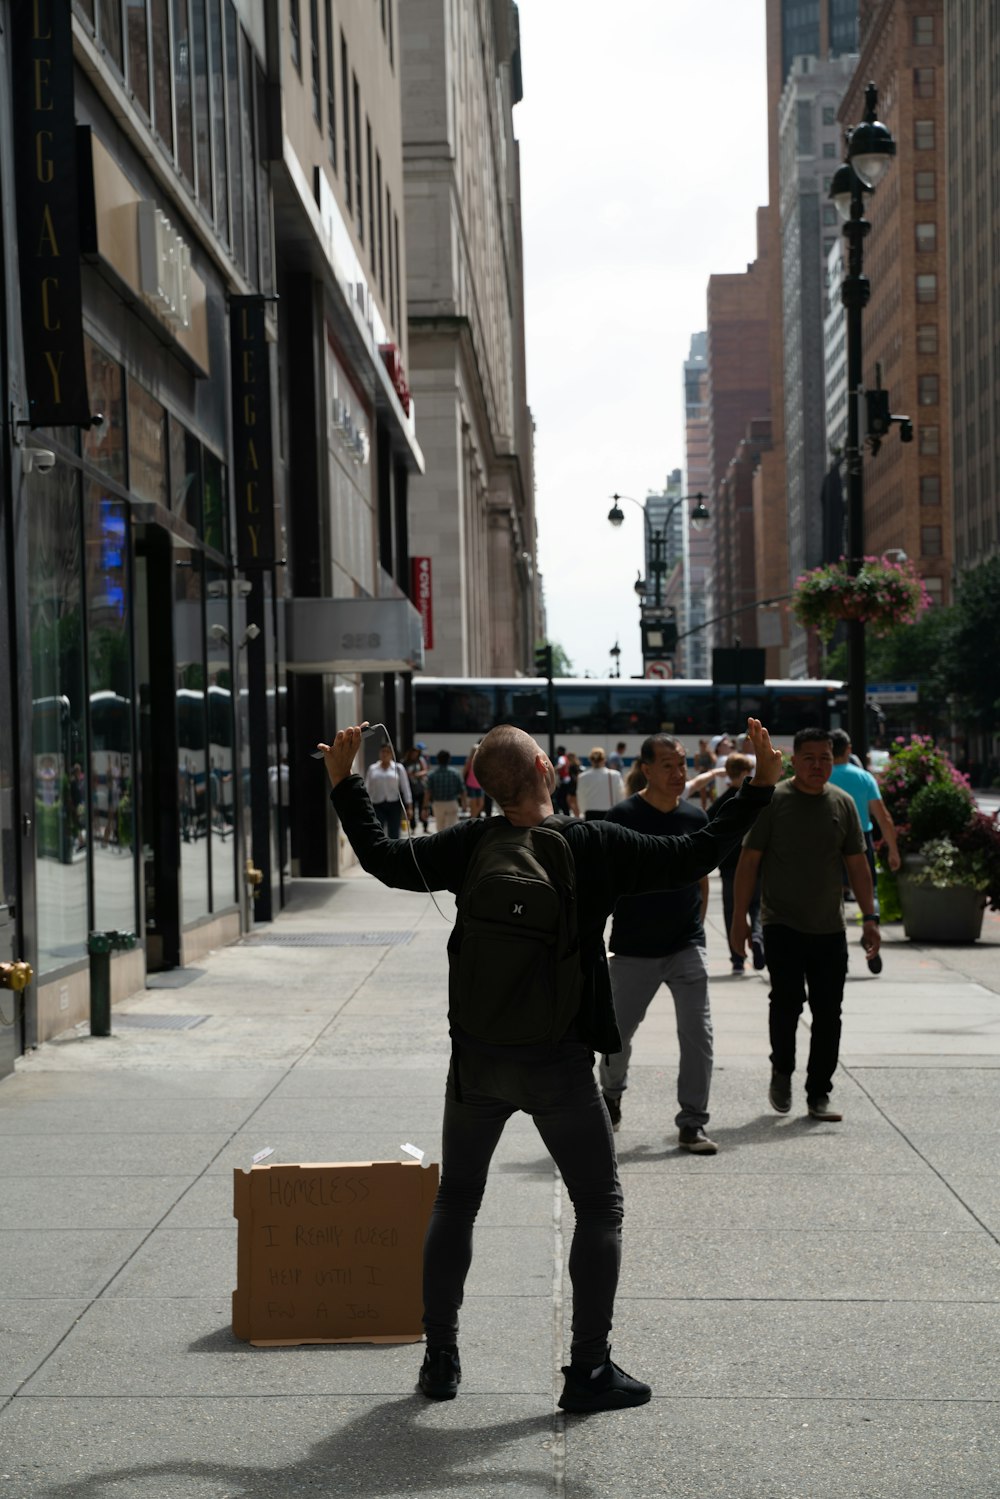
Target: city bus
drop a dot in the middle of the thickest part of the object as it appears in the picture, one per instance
(452, 713)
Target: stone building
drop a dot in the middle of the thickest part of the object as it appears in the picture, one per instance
(695, 660)
(472, 517)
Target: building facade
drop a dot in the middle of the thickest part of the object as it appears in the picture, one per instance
(972, 181)
(203, 488)
(810, 148)
(346, 443)
(472, 517)
(694, 658)
(739, 392)
(907, 486)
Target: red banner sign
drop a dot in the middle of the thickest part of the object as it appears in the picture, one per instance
(422, 593)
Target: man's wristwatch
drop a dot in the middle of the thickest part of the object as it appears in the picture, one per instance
(871, 918)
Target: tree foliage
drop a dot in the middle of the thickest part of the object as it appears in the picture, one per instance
(973, 664)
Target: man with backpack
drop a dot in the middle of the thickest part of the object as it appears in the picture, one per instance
(529, 1004)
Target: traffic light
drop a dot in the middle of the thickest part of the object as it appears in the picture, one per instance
(543, 661)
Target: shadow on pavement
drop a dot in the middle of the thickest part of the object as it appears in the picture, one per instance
(386, 1451)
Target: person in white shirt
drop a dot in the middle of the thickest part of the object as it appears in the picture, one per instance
(598, 788)
(387, 783)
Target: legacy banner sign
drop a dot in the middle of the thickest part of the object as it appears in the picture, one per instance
(253, 466)
(48, 222)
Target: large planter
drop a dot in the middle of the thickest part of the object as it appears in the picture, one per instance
(932, 914)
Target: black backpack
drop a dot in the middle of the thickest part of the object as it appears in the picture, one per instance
(515, 971)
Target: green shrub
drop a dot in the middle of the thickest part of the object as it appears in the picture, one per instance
(940, 810)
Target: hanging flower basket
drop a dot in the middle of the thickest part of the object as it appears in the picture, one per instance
(884, 595)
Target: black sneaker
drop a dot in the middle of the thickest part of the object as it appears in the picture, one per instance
(738, 965)
(614, 1108)
(692, 1137)
(440, 1374)
(609, 1390)
(779, 1094)
(822, 1108)
(759, 960)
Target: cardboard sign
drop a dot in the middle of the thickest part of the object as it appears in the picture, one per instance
(331, 1253)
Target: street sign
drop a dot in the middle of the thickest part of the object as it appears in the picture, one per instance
(660, 670)
(894, 692)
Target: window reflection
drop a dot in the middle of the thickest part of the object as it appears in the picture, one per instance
(58, 715)
(104, 446)
(192, 765)
(221, 778)
(147, 444)
(112, 797)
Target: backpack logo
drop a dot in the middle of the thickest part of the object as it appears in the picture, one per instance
(517, 908)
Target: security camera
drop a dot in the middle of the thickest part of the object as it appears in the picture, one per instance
(41, 459)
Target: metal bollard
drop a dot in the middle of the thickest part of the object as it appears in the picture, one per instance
(99, 946)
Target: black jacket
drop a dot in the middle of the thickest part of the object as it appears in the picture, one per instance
(611, 861)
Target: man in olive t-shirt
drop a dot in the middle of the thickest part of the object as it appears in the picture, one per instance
(798, 846)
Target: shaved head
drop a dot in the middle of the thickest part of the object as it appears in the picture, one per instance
(505, 764)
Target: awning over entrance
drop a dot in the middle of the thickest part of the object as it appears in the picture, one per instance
(349, 635)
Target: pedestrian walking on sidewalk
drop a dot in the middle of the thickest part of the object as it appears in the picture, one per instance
(388, 787)
(738, 767)
(445, 792)
(797, 846)
(659, 938)
(553, 1082)
(598, 788)
(862, 785)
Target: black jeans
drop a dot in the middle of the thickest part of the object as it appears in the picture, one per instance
(390, 815)
(753, 910)
(563, 1099)
(798, 960)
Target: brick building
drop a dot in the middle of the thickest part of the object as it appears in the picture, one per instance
(905, 325)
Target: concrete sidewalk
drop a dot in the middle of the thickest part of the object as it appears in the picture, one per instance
(817, 1307)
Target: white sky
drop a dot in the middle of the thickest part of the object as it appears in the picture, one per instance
(644, 159)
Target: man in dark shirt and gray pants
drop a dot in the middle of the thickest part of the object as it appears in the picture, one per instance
(554, 1083)
(659, 939)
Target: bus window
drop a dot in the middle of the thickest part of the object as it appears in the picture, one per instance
(635, 710)
(525, 707)
(753, 702)
(794, 708)
(688, 712)
(582, 710)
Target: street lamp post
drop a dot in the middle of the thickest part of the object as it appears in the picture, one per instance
(656, 544)
(870, 148)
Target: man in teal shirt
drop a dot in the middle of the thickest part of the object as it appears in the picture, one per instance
(863, 787)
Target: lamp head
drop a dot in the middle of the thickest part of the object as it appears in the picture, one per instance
(870, 146)
(616, 514)
(843, 187)
(699, 515)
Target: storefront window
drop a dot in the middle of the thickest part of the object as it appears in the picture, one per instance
(147, 445)
(138, 53)
(162, 119)
(112, 758)
(221, 740)
(235, 131)
(110, 30)
(202, 119)
(182, 88)
(216, 514)
(192, 762)
(218, 87)
(185, 475)
(59, 747)
(104, 445)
